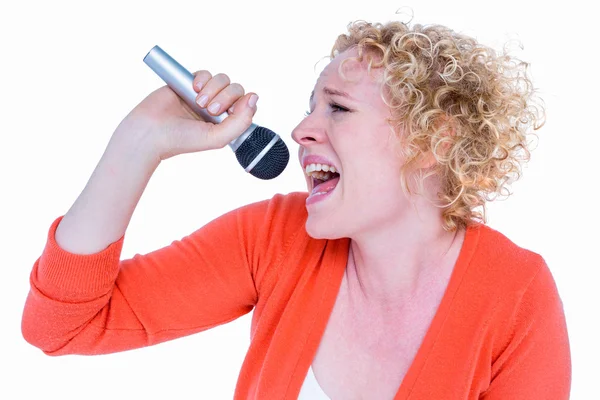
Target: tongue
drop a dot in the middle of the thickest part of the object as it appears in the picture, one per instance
(326, 186)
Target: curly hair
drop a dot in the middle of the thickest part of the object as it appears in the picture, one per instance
(455, 99)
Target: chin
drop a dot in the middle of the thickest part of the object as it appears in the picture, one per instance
(318, 228)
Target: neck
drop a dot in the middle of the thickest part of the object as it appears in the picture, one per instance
(402, 259)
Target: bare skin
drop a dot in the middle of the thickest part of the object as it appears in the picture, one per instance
(400, 258)
(368, 347)
(159, 127)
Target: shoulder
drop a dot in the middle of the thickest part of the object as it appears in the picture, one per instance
(282, 212)
(262, 228)
(269, 228)
(281, 203)
(501, 263)
(498, 247)
(517, 297)
(513, 281)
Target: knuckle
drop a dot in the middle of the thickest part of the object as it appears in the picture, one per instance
(230, 95)
(202, 73)
(221, 77)
(237, 88)
(246, 120)
(201, 77)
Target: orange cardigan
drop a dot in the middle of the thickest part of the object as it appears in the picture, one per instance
(499, 332)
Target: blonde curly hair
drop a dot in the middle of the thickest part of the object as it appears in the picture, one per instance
(455, 99)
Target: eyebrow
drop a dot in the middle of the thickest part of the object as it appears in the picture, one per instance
(332, 92)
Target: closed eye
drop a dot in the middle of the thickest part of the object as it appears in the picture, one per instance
(334, 108)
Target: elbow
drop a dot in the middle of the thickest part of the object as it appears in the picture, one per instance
(33, 336)
(43, 342)
(38, 334)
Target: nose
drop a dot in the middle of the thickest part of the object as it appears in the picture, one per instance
(308, 132)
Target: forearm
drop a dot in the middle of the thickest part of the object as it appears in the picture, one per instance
(102, 212)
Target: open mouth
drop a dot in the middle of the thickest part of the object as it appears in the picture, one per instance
(324, 178)
(322, 186)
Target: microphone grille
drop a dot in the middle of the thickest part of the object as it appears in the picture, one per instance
(273, 163)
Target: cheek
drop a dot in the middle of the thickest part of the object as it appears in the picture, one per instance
(372, 179)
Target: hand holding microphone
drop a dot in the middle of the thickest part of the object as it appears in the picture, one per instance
(166, 123)
(260, 151)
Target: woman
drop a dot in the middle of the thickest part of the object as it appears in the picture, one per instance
(382, 282)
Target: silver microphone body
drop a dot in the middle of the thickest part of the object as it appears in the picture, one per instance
(181, 81)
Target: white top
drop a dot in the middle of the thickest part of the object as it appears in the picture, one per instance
(311, 390)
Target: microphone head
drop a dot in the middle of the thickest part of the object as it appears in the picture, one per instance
(272, 163)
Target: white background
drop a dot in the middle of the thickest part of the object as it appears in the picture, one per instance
(72, 70)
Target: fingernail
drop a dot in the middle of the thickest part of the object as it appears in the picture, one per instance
(252, 101)
(214, 107)
(200, 85)
(202, 100)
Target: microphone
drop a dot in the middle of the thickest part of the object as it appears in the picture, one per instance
(260, 151)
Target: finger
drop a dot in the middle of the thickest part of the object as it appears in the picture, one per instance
(211, 89)
(225, 99)
(231, 109)
(199, 136)
(200, 79)
(234, 125)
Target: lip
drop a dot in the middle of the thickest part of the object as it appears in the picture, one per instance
(312, 199)
(315, 159)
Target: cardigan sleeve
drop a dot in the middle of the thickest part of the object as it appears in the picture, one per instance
(536, 363)
(97, 303)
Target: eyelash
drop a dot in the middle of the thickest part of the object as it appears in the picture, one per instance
(335, 107)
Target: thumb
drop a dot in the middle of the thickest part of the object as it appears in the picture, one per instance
(235, 124)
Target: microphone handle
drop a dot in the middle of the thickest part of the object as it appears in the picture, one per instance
(181, 82)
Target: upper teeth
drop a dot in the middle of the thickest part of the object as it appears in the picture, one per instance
(320, 171)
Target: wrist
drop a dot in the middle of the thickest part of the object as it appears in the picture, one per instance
(134, 148)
